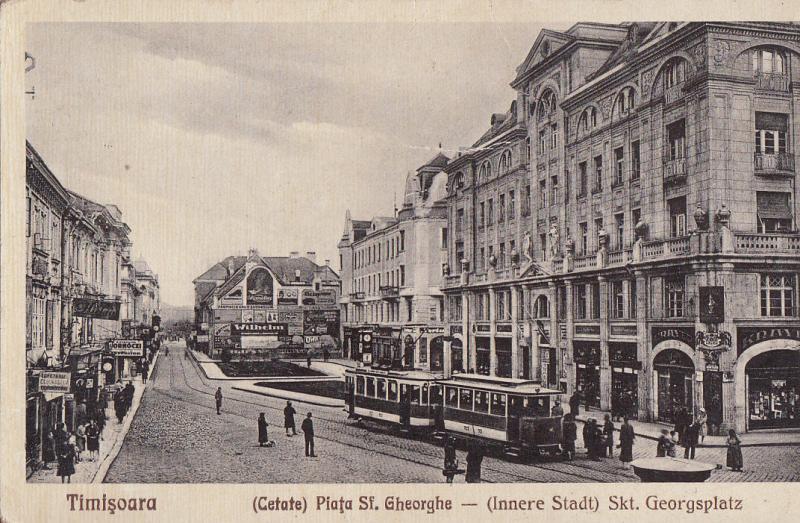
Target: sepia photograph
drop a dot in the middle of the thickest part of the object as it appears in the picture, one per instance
(411, 253)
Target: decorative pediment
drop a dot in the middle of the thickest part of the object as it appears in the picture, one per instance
(546, 44)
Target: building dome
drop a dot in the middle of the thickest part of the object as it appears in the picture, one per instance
(411, 188)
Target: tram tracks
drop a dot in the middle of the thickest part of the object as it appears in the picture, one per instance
(569, 475)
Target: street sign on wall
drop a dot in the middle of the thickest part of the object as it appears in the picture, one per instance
(54, 381)
(101, 309)
(127, 348)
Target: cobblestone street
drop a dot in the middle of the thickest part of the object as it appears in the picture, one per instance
(177, 437)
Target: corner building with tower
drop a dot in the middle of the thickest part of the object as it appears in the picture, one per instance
(628, 229)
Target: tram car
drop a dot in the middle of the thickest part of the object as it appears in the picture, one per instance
(411, 399)
(514, 414)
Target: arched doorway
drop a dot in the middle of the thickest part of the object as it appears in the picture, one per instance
(437, 353)
(773, 390)
(674, 372)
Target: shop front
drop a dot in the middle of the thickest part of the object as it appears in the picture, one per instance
(624, 379)
(350, 342)
(482, 355)
(456, 349)
(437, 354)
(674, 371)
(502, 347)
(768, 371)
(586, 355)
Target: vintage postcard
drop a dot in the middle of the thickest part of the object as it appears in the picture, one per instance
(336, 260)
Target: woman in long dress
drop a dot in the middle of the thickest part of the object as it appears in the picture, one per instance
(735, 460)
(93, 440)
(263, 437)
(450, 459)
(80, 441)
(702, 418)
(66, 461)
(626, 437)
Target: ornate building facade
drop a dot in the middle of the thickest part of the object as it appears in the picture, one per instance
(392, 307)
(662, 201)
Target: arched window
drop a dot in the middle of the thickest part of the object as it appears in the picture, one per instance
(547, 105)
(459, 180)
(767, 60)
(485, 172)
(588, 119)
(505, 162)
(626, 100)
(541, 307)
(674, 73)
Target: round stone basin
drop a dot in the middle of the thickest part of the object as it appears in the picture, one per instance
(676, 470)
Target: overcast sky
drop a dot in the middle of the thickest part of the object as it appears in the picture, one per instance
(214, 138)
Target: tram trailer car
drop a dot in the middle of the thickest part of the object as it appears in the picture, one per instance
(410, 398)
(510, 413)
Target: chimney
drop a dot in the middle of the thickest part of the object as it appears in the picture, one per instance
(312, 255)
(327, 263)
(297, 275)
(294, 254)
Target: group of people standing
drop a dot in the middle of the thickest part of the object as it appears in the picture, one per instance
(67, 448)
(476, 450)
(123, 399)
(288, 423)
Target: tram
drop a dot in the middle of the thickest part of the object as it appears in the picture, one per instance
(410, 398)
(506, 412)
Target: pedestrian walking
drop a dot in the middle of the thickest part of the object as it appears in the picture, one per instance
(66, 461)
(475, 455)
(130, 390)
(59, 436)
(288, 419)
(599, 442)
(557, 409)
(674, 438)
(575, 404)
(664, 444)
(588, 435)
(308, 431)
(570, 434)
(218, 399)
(701, 420)
(263, 437)
(72, 441)
(626, 437)
(119, 405)
(626, 404)
(48, 450)
(325, 354)
(145, 371)
(734, 459)
(690, 440)
(80, 413)
(308, 358)
(608, 437)
(80, 441)
(93, 440)
(450, 460)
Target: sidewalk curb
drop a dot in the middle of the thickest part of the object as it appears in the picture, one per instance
(201, 364)
(102, 470)
(296, 398)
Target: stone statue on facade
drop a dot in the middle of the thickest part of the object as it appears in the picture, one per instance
(555, 239)
(701, 218)
(527, 247)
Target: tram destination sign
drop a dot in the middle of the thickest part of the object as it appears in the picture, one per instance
(746, 337)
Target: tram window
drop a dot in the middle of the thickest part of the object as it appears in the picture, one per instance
(360, 385)
(424, 394)
(498, 404)
(481, 401)
(452, 397)
(514, 405)
(436, 395)
(414, 394)
(392, 390)
(371, 387)
(537, 406)
(381, 388)
(465, 400)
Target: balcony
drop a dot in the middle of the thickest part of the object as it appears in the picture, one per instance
(675, 171)
(772, 82)
(673, 94)
(774, 164)
(452, 280)
(767, 243)
(356, 296)
(665, 248)
(389, 292)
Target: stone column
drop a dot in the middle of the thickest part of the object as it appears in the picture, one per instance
(645, 392)
(515, 352)
(469, 336)
(492, 332)
(569, 365)
(555, 337)
(605, 366)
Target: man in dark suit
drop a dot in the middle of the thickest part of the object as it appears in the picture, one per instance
(308, 429)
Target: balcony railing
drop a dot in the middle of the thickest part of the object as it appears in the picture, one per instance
(776, 163)
(674, 171)
(772, 82)
(674, 93)
(765, 243)
(665, 248)
(454, 280)
(389, 291)
(356, 295)
(584, 262)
